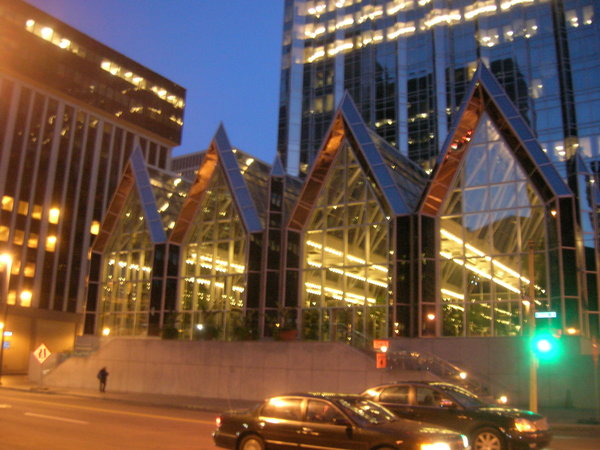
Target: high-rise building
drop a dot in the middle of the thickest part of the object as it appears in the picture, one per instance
(407, 63)
(71, 112)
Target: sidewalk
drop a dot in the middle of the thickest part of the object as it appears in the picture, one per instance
(216, 405)
(559, 418)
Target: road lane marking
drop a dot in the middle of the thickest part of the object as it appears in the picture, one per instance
(125, 413)
(62, 419)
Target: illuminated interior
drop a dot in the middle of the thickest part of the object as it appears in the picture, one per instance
(213, 264)
(488, 37)
(491, 214)
(346, 283)
(51, 35)
(129, 255)
(127, 272)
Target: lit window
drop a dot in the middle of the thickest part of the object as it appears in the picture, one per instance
(95, 228)
(3, 233)
(481, 7)
(53, 215)
(7, 203)
(47, 33)
(29, 270)
(32, 242)
(23, 208)
(25, 299)
(19, 237)
(36, 212)
(588, 15)
(50, 243)
(12, 298)
(64, 43)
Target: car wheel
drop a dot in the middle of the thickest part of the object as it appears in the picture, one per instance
(251, 442)
(487, 439)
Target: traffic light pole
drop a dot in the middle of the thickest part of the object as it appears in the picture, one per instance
(533, 361)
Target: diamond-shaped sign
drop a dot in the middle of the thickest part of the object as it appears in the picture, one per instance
(42, 353)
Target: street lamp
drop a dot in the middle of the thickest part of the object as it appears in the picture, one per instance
(6, 260)
(533, 360)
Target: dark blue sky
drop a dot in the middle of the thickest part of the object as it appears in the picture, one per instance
(226, 53)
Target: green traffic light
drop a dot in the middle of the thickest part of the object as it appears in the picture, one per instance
(546, 346)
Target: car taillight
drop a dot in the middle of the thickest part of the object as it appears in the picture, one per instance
(218, 421)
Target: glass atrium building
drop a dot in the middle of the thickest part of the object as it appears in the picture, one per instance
(368, 245)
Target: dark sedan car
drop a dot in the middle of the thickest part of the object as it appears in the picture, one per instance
(489, 427)
(328, 421)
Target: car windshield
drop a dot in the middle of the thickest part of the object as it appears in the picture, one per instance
(366, 412)
(464, 397)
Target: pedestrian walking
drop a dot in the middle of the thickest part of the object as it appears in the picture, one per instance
(102, 376)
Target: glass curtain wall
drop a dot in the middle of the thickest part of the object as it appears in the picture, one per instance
(491, 217)
(127, 270)
(213, 267)
(346, 247)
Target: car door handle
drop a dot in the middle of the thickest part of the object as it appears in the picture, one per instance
(309, 431)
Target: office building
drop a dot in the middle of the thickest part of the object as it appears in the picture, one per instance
(71, 112)
(407, 65)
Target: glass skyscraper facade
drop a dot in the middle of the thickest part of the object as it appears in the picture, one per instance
(407, 64)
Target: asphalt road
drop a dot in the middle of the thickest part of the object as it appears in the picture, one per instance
(34, 421)
(31, 421)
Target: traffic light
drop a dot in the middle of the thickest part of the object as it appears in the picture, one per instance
(546, 346)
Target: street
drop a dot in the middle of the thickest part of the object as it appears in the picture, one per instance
(52, 421)
(31, 420)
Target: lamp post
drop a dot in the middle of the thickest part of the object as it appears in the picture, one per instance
(6, 260)
(533, 361)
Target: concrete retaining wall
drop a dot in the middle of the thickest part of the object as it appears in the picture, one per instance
(237, 370)
(252, 370)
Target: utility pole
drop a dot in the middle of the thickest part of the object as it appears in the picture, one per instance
(5, 259)
(533, 361)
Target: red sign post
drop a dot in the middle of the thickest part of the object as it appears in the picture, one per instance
(381, 346)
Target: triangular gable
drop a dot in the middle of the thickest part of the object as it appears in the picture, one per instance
(278, 170)
(486, 95)
(348, 124)
(220, 150)
(136, 175)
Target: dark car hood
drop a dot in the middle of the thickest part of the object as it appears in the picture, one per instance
(412, 428)
(505, 411)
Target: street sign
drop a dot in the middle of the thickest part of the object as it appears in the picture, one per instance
(545, 314)
(381, 344)
(42, 353)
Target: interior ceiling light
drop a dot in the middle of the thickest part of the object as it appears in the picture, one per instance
(479, 253)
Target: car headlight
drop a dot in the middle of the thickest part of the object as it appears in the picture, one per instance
(525, 426)
(465, 441)
(435, 446)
